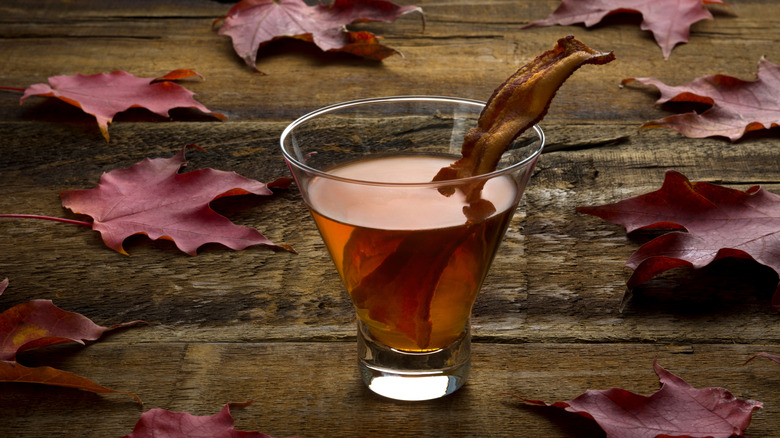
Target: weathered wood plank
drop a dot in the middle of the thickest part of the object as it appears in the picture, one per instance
(553, 318)
(307, 389)
(453, 55)
(559, 275)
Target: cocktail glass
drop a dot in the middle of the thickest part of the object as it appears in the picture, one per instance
(409, 255)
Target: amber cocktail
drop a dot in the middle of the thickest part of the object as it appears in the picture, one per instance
(409, 256)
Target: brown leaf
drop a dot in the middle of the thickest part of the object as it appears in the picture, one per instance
(103, 95)
(37, 324)
(668, 20)
(676, 410)
(253, 23)
(737, 106)
(152, 198)
(11, 371)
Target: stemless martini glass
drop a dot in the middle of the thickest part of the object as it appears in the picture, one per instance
(411, 260)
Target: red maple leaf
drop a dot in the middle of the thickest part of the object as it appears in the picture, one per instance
(152, 198)
(720, 222)
(164, 423)
(253, 23)
(737, 106)
(772, 357)
(668, 20)
(103, 95)
(675, 410)
(37, 324)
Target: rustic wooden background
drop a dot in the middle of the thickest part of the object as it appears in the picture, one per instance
(225, 326)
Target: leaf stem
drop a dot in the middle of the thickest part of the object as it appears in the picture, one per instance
(48, 218)
(13, 89)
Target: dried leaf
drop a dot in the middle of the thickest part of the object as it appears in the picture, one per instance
(103, 95)
(152, 198)
(253, 23)
(161, 423)
(676, 410)
(720, 222)
(737, 106)
(11, 371)
(668, 20)
(772, 357)
(37, 324)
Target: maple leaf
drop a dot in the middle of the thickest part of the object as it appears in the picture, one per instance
(720, 222)
(14, 372)
(737, 106)
(772, 357)
(39, 323)
(677, 409)
(253, 23)
(153, 199)
(3, 285)
(668, 20)
(103, 95)
(163, 423)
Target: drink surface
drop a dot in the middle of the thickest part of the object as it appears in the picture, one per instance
(399, 207)
(409, 259)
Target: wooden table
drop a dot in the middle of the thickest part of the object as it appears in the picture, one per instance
(277, 328)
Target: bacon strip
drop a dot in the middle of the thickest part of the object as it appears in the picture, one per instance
(516, 105)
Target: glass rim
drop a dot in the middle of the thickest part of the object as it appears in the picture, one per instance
(405, 98)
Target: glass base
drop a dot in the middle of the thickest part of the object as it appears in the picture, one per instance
(413, 376)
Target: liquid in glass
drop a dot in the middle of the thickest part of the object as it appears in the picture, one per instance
(410, 260)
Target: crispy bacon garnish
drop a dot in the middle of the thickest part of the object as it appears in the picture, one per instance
(516, 105)
(398, 292)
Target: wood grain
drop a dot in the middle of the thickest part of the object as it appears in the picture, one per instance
(312, 389)
(554, 318)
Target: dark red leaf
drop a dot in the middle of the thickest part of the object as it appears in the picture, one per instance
(161, 423)
(253, 23)
(103, 95)
(152, 198)
(37, 324)
(14, 372)
(772, 357)
(737, 106)
(720, 222)
(676, 410)
(668, 20)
